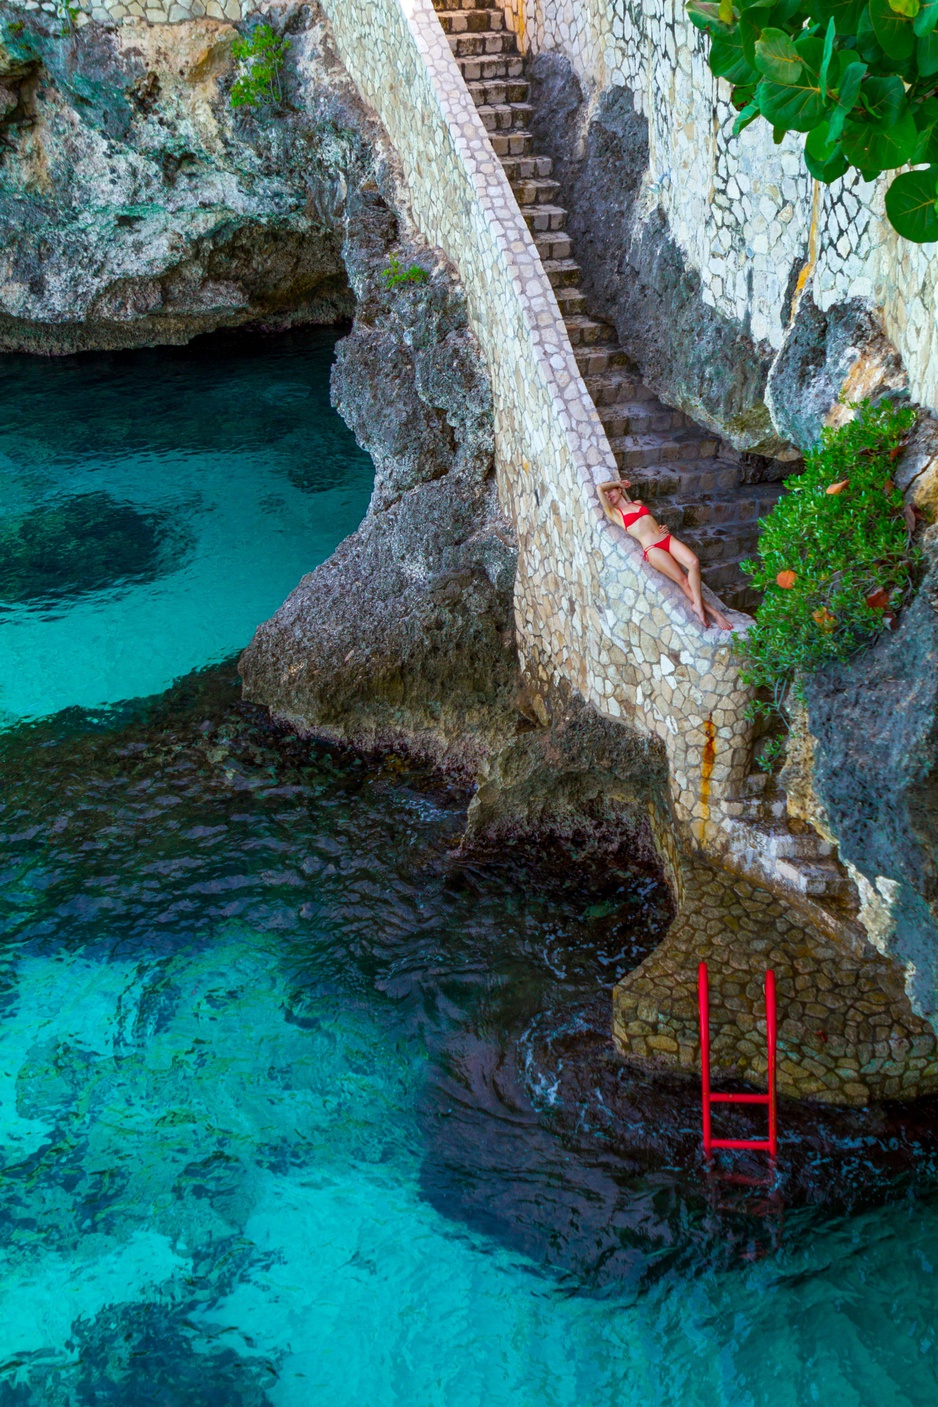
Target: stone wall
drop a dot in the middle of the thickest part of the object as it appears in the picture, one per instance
(805, 273)
(590, 616)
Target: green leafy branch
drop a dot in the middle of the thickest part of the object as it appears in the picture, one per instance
(261, 55)
(836, 560)
(858, 77)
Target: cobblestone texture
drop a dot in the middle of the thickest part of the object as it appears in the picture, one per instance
(847, 1033)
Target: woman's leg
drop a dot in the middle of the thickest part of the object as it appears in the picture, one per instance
(688, 559)
(682, 556)
(664, 563)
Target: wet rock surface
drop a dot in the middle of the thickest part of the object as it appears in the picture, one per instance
(136, 206)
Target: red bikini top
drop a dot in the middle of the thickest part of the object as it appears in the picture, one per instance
(640, 512)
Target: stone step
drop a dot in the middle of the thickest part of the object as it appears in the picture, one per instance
(571, 302)
(759, 810)
(445, 5)
(817, 878)
(694, 479)
(562, 273)
(494, 92)
(738, 506)
(533, 192)
(471, 21)
(722, 574)
(512, 143)
(541, 218)
(505, 117)
(552, 246)
(777, 841)
(740, 598)
(494, 66)
(593, 361)
(614, 387)
(720, 547)
(528, 168)
(644, 418)
(584, 331)
(633, 451)
(476, 45)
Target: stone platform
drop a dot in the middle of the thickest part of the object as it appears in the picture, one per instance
(847, 1032)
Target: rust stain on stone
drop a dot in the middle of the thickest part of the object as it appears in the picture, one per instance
(706, 772)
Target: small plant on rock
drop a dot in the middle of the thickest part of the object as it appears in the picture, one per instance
(836, 557)
(395, 274)
(261, 55)
(68, 14)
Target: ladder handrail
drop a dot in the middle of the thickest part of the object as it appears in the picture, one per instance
(770, 1144)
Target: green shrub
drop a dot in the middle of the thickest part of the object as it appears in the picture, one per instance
(859, 77)
(395, 275)
(261, 56)
(835, 554)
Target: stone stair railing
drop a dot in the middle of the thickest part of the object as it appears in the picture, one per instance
(590, 614)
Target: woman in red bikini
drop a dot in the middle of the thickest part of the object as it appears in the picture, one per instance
(664, 552)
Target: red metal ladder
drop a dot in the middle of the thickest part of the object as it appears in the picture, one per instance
(770, 1144)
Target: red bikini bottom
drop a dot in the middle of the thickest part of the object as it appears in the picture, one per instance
(664, 543)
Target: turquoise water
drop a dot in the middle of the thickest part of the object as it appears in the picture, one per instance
(298, 1106)
(156, 506)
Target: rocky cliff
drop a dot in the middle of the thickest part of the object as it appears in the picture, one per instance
(136, 206)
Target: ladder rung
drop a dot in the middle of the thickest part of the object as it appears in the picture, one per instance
(739, 1098)
(740, 1143)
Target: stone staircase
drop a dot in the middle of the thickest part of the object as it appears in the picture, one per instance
(692, 481)
(764, 838)
(695, 482)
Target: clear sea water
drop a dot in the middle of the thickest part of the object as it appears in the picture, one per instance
(299, 1105)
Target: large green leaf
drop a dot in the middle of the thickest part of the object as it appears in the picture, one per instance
(884, 99)
(777, 58)
(829, 38)
(847, 94)
(879, 148)
(728, 61)
(823, 158)
(926, 19)
(706, 16)
(927, 54)
(912, 206)
(909, 8)
(799, 105)
(845, 13)
(894, 32)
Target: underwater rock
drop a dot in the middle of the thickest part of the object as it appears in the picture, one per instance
(85, 543)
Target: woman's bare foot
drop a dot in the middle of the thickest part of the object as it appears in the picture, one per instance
(718, 617)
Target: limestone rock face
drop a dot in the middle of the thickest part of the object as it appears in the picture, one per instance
(761, 400)
(136, 206)
(405, 636)
(876, 771)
